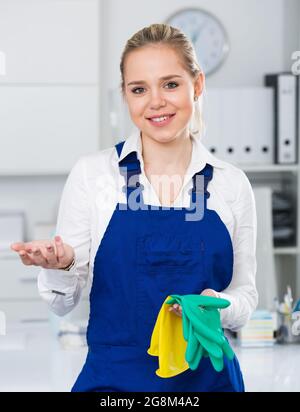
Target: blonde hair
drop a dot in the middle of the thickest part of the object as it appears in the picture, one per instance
(164, 34)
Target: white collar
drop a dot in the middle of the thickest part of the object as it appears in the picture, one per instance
(200, 154)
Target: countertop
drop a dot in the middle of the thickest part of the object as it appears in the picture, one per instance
(32, 359)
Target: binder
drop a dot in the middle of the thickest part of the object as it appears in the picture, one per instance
(285, 107)
(239, 124)
(256, 119)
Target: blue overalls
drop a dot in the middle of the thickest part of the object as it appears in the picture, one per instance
(145, 255)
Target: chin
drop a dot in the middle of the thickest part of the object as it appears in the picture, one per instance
(161, 137)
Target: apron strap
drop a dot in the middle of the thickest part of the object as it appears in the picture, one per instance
(129, 167)
(208, 174)
(197, 192)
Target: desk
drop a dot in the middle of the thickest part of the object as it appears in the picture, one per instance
(32, 359)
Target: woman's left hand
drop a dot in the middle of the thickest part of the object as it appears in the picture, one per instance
(176, 308)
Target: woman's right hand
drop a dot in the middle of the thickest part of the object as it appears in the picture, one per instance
(49, 254)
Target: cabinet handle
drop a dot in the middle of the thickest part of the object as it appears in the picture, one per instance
(36, 320)
(27, 280)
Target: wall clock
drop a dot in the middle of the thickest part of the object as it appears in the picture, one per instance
(207, 34)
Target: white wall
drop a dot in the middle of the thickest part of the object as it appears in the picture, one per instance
(49, 40)
(262, 35)
(49, 95)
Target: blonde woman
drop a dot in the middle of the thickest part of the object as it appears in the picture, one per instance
(158, 236)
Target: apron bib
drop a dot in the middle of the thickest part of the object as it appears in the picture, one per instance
(146, 254)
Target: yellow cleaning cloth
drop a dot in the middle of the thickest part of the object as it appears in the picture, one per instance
(167, 342)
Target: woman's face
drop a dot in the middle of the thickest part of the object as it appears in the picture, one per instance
(157, 84)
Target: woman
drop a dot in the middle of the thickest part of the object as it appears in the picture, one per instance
(151, 241)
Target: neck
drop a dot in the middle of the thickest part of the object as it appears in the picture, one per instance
(169, 156)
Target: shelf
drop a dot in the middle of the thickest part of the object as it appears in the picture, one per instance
(292, 250)
(25, 174)
(270, 168)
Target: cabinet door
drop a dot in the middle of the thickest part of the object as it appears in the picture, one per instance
(50, 41)
(49, 94)
(17, 280)
(45, 130)
(25, 311)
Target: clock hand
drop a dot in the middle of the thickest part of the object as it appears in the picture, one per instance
(194, 37)
(200, 30)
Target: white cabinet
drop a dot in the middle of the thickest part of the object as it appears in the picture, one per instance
(19, 297)
(49, 90)
(17, 280)
(24, 311)
(48, 41)
(44, 130)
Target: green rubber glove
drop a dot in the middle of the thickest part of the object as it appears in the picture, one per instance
(189, 304)
(205, 323)
(217, 345)
(202, 329)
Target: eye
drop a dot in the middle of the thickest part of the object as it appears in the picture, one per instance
(135, 89)
(176, 84)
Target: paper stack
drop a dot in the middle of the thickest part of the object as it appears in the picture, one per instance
(259, 330)
(72, 335)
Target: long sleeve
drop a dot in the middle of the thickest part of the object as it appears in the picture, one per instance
(62, 289)
(242, 292)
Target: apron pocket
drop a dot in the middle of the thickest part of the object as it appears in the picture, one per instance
(167, 265)
(179, 259)
(169, 253)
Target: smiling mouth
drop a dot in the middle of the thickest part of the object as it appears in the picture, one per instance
(161, 119)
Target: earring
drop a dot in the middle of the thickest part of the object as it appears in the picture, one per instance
(196, 98)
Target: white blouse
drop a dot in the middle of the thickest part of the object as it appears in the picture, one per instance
(90, 195)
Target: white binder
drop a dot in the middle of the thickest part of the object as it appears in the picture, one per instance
(239, 124)
(285, 86)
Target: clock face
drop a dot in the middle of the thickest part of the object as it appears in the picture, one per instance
(207, 35)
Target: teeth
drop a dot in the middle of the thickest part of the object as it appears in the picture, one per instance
(160, 119)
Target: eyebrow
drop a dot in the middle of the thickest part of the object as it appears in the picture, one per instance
(170, 76)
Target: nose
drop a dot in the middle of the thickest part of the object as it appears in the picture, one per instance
(157, 100)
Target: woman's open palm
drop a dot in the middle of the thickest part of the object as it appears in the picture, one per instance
(49, 254)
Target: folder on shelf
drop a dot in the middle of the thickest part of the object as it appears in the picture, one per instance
(285, 86)
(239, 124)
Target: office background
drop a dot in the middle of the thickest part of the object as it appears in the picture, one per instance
(59, 100)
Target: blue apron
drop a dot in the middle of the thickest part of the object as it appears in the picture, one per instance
(145, 255)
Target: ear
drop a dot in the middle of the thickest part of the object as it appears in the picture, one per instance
(199, 84)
